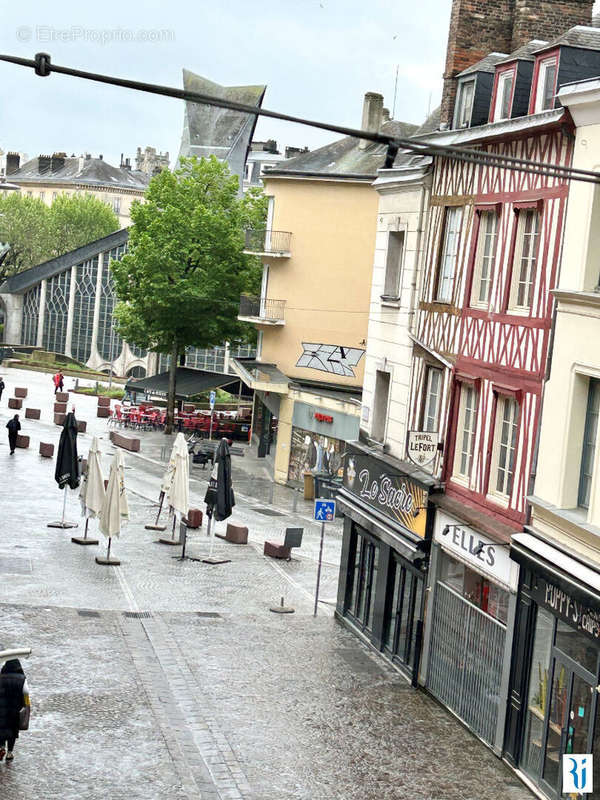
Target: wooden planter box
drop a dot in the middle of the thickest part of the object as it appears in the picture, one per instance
(21, 392)
(59, 419)
(104, 401)
(60, 408)
(32, 413)
(22, 441)
(103, 411)
(46, 450)
(81, 426)
(15, 402)
(62, 397)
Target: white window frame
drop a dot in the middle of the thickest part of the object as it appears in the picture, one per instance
(485, 258)
(433, 392)
(466, 433)
(116, 205)
(524, 263)
(449, 253)
(464, 106)
(504, 78)
(504, 451)
(394, 259)
(540, 89)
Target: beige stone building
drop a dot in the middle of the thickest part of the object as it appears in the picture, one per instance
(312, 313)
(45, 177)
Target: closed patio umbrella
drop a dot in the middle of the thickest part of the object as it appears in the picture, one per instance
(165, 486)
(66, 473)
(178, 477)
(219, 496)
(92, 492)
(114, 508)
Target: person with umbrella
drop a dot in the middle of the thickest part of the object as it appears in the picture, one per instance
(219, 497)
(66, 473)
(14, 426)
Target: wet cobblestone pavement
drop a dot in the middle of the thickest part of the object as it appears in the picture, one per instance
(162, 679)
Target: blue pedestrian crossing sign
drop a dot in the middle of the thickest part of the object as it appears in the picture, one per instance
(324, 510)
(212, 396)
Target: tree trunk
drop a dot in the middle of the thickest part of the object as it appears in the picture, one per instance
(169, 422)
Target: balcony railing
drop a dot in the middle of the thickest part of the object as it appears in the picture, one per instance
(262, 309)
(263, 241)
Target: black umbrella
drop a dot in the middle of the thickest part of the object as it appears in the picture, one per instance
(67, 465)
(219, 496)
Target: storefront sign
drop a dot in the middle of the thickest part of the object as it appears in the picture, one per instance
(323, 418)
(574, 612)
(423, 447)
(390, 492)
(492, 560)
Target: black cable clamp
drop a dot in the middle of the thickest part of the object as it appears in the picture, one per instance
(42, 64)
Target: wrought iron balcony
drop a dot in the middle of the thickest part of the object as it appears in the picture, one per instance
(261, 310)
(265, 242)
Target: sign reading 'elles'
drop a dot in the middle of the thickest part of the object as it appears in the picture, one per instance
(391, 493)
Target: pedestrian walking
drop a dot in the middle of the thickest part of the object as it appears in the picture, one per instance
(14, 426)
(56, 380)
(1, 387)
(61, 381)
(14, 696)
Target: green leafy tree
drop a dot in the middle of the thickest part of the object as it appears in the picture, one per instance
(36, 233)
(76, 220)
(180, 282)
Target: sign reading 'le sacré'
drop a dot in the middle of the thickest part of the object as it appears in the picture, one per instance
(390, 492)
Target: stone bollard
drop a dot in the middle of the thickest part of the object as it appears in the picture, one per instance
(60, 408)
(15, 402)
(103, 401)
(22, 441)
(59, 419)
(103, 411)
(46, 450)
(62, 397)
(81, 426)
(20, 392)
(32, 413)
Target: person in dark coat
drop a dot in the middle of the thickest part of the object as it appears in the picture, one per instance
(1, 387)
(14, 426)
(14, 695)
(67, 466)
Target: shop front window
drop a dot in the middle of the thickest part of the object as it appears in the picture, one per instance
(478, 590)
(402, 613)
(361, 603)
(538, 693)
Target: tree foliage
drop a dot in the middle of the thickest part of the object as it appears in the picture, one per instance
(180, 282)
(37, 233)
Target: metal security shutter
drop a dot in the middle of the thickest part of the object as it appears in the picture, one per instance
(465, 661)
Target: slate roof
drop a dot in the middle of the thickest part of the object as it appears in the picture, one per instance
(344, 158)
(17, 284)
(582, 36)
(432, 123)
(90, 171)
(487, 64)
(525, 53)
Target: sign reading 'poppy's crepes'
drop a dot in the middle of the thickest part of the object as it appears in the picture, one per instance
(423, 447)
(570, 609)
(390, 492)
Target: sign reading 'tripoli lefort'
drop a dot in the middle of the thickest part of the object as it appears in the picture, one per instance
(388, 491)
(423, 446)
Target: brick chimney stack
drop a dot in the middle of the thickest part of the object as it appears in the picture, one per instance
(479, 27)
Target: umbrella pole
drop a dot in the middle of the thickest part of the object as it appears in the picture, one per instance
(64, 505)
(156, 526)
(108, 549)
(62, 523)
(174, 521)
(87, 522)
(212, 536)
(161, 498)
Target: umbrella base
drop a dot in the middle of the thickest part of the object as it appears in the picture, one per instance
(107, 562)
(80, 540)
(216, 560)
(172, 542)
(282, 609)
(61, 524)
(155, 527)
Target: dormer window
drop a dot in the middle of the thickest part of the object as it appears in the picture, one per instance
(464, 105)
(546, 85)
(504, 95)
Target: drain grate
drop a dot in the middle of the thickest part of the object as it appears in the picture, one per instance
(208, 614)
(86, 612)
(137, 614)
(268, 512)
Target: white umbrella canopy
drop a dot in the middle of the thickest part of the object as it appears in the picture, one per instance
(115, 507)
(167, 480)
(92, 490)
(179, 491)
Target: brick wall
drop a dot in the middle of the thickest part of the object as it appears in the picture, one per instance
(479, 27)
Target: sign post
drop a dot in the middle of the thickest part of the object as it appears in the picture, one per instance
(212, 397)
(324, 512)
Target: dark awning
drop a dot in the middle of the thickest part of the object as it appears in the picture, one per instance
(189, 382)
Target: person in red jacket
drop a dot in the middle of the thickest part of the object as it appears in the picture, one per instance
(56, 380)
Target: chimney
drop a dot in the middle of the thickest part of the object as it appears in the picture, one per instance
(372, 115)
(13, 162)
(57, 162)
(478, 28)
(101, 157)
(44, 163)
(386, 116)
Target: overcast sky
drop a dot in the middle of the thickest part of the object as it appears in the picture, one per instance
(317, 58)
